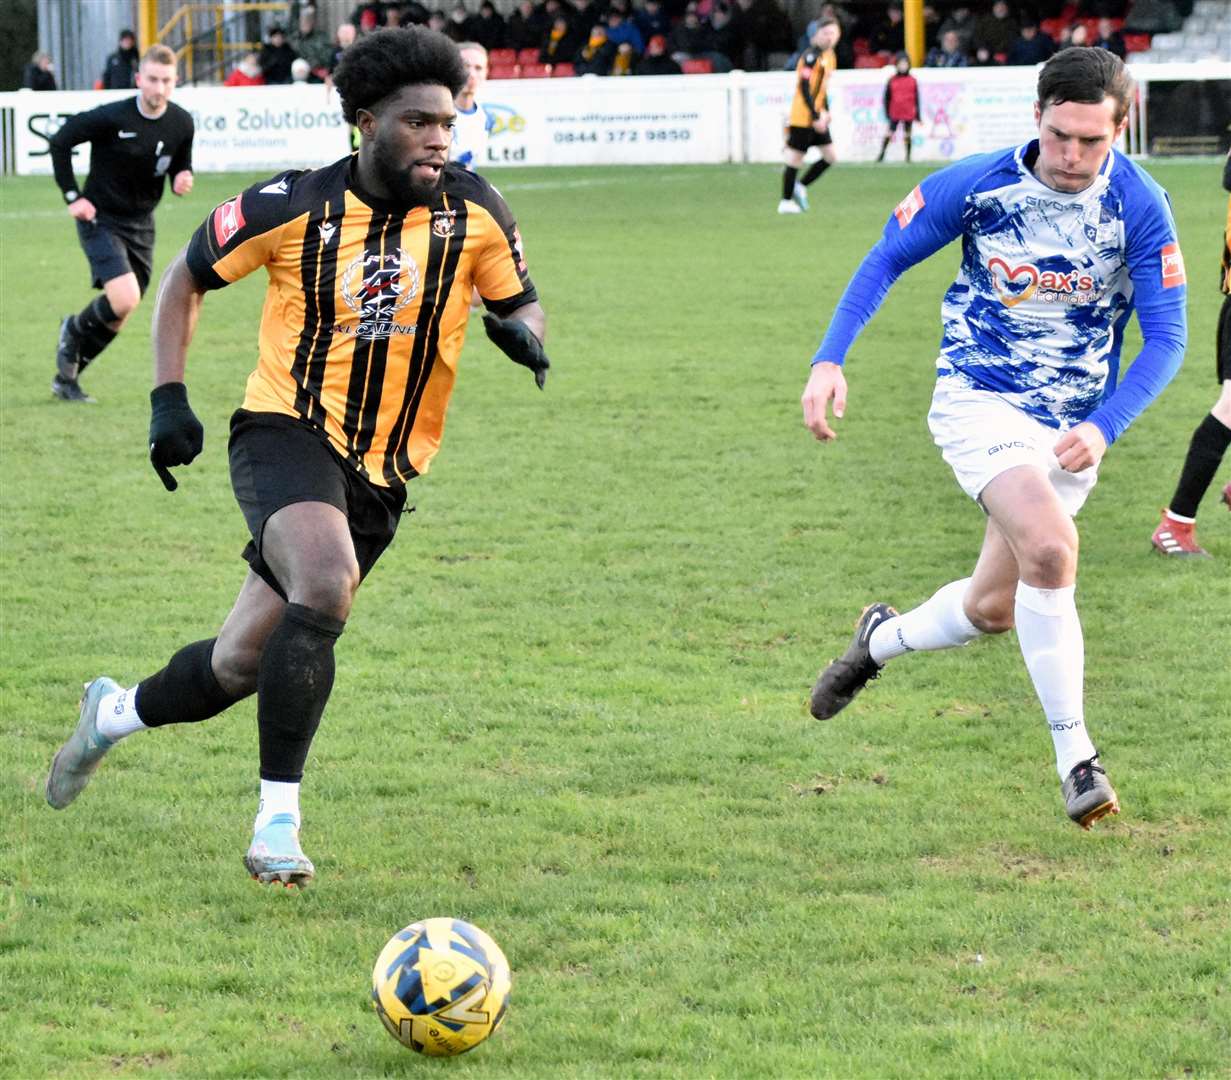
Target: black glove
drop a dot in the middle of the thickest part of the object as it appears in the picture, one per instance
(517, 341)
(176, 435)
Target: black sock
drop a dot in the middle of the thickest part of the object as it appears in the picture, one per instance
(1205, 452)
(185, 691)
(292, 688)
(884, 147)
(814, 173)
(90, 326)
(788, 182)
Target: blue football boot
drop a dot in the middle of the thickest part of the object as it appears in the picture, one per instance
(275, 854)
(77, 759)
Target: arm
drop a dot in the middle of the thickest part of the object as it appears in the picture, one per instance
(520, 337)
(176, 435)
(74, 131)
(181, 164)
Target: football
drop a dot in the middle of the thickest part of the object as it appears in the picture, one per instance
(441, 986)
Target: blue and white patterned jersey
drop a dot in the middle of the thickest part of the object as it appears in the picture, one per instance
(1047, 283)
(470, 134)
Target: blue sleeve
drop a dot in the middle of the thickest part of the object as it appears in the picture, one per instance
(924, 222)
(1156, 268)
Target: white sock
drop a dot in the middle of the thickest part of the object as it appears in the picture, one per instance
(938, 623)
(117, 714)
(1049, 633)
(276, 798)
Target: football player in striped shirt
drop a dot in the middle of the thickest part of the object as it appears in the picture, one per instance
(1063, 238)
(371, 262)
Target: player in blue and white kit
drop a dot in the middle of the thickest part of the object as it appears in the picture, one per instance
(1062, 240)
(474, 123)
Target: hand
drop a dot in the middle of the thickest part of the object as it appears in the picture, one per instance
(182, 184)
(1080, 447)
(176, 435)
(517, 341)
(82, 209)
(825, 384)
(821, 123)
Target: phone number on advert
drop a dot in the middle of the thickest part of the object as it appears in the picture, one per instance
(625, 135)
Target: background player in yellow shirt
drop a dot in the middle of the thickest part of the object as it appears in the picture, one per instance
(371, 265)
(808, 124)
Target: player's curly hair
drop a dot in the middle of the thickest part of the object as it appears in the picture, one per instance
(1087, 75)
(382, 63)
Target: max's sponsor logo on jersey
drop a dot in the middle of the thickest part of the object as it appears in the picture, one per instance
(1017, 284)
(909, 207)
(228, 220)
(377, 287)
(1173, 266)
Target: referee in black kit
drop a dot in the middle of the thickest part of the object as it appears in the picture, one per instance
(134, 144)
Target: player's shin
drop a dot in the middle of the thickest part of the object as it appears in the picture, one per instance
(938, 623)
(185, 691)
(1049, 632)
(91, 327)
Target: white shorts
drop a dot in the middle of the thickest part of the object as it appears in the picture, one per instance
(981, 435)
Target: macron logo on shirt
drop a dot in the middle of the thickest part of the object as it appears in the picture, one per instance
(1173, 266)
(909, 207)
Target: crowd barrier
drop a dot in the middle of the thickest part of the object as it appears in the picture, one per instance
(692, 119)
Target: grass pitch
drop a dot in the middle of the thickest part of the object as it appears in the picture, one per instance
(570, 702)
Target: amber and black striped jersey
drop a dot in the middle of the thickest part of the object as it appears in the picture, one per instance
(1226, 235)
(367, 303)
(811, 85)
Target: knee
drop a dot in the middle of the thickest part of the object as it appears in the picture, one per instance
(1050, 562)
(991, 613)
(330, 590)
(123, 301)
(236, 665)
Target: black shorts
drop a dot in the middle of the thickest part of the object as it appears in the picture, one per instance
(117, 246)
(277, 460)
(803, 138)
(1224, 341)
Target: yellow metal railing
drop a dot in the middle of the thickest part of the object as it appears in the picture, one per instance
(194, 21)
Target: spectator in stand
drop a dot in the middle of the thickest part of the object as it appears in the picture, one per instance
(1073, 34)
(949, 53)
(393, 18)
(1153, 17)
(560, 43)
(277, 56)
(414, 14)
(301, 71)
(766, 29)
(656, 61)
(889, 35)
(488, 28)
(622, 30)
(983, 58)
(120, 72)
(312, 44)
(436, 21)
(368, 15)
(963, 24)
(691, 39)
(458, 27)
(1110, 38)
(597, 54)
(1031, 47)
(247, 72)
(901, 105)
(652, 21)
(39, 73)
(995, 30)
(343, 38)
(725, 37)
(526, 27)
(931, 26)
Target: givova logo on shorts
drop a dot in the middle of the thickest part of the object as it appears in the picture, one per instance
(377, 287)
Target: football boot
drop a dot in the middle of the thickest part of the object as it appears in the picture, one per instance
(853, 670)
(77, 759)
(275, 854)
(1088, 794)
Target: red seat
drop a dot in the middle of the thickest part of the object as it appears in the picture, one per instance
(1137, 42)
(562, 70)
(535, 71)
(503, 57)
(871, 60)
(504, 71)
(861, 46)
(697, 67)
(1052, 28)
(528, 56)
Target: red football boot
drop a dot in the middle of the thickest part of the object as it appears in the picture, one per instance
(1177, 538)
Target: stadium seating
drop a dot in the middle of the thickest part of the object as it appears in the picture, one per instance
(503, 71)
(563, 70)
(528, 56)
(502, 58)
(697, 67)
(535, 71)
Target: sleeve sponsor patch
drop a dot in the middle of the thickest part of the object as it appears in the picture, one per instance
(1173, 266)
(909, 207)
(228, 220)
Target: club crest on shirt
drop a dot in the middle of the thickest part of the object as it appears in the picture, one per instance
(443, 223)
(377, 287)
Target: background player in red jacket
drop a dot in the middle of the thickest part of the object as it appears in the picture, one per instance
(901, 104)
